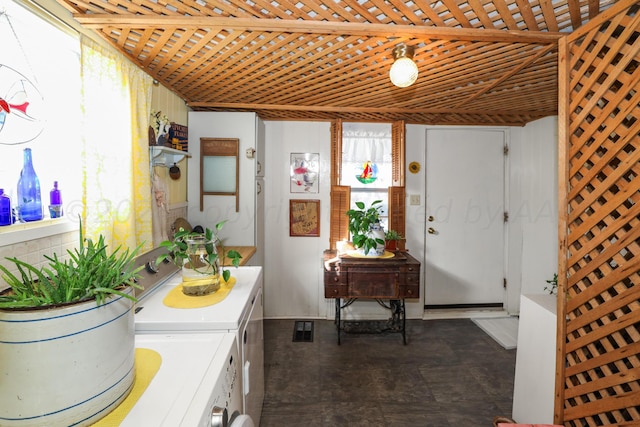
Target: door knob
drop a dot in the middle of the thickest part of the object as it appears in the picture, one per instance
(431, 230)
(431, 218)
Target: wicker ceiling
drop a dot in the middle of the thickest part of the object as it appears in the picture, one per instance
(486, 62)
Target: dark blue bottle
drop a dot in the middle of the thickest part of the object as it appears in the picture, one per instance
(6, 216)
(29, 198)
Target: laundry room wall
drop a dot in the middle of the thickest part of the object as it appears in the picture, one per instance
(293, 265)
(293, 270)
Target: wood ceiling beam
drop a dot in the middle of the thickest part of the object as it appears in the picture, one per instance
(335, 109)
(99, 21)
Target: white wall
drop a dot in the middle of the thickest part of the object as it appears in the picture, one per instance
(293, 274)
(533, 216)
(239, 230)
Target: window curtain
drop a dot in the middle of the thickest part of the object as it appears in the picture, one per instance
(116, 184)
(366, 142)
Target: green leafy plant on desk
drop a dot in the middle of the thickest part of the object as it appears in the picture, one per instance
(360, 222)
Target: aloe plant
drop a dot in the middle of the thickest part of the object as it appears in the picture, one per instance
(89, 273)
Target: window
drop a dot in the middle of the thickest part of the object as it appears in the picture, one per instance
(367, 163)
(40, 95)
(350, 144)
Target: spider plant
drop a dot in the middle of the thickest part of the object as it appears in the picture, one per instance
(89, 273)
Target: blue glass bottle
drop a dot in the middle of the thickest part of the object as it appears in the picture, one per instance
(55, 201)
(29, 198)
(6, 216)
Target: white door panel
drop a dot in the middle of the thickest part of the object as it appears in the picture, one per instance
(464, 253)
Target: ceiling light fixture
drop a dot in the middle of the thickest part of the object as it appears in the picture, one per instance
(404, 71)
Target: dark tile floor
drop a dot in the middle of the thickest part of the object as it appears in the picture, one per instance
(449, 374)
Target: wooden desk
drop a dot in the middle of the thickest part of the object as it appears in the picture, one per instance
(351, 278)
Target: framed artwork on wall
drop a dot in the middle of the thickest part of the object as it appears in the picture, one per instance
(304, 218)
(305, 171)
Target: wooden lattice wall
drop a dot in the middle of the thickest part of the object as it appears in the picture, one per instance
(598, 370)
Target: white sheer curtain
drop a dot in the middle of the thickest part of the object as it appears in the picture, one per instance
(363, 142)
(116, 98)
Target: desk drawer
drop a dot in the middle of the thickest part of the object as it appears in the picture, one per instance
(411, 285)
(364, 283)
(333, 285)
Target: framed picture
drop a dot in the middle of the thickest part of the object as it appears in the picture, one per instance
(305, 171)
(304, 218)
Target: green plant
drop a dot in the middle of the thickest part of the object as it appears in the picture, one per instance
(553, 285)
(392, 235)
(178, 249)
(360, 222)
(88, 273)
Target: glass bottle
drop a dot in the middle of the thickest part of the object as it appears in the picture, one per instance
(6, 216)
(29, 198)
(55, 201)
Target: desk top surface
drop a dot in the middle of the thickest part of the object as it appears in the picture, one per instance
(400, 257)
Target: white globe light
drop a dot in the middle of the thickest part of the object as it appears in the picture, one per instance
(404, 72)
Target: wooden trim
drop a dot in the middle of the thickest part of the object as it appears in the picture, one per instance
(563, 190)
(97, 21)
(398, 153)
(336, 151)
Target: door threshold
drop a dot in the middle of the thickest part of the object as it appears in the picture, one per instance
(463, 313)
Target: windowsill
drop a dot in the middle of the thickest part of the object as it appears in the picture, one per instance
(24, 231)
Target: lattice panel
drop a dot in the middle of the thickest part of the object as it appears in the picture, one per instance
(602, 346)
(318, 60)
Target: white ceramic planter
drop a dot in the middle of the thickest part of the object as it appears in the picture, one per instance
(65, 366)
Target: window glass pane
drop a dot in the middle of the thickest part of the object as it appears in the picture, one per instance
(40, 96)
(219, 174)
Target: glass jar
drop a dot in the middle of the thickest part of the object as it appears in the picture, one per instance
(201, 268)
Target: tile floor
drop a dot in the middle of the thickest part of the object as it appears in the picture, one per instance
(449, 374)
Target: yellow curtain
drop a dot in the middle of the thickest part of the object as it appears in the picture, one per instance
(116, 97)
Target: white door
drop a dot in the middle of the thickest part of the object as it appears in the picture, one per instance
(464, 244)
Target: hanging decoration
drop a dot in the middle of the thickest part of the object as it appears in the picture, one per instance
(21, 102)
(368, 173)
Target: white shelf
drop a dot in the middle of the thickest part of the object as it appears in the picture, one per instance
(166, 156)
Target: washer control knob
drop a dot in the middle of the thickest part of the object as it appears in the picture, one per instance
(151, 267)
(219, 417)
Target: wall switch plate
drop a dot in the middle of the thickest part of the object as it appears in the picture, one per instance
(414, 200)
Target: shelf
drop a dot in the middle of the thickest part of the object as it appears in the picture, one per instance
(166, 156)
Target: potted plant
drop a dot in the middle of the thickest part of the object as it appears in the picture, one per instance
(392, 239)
(67, 336)
(197, 255)
(364, 226)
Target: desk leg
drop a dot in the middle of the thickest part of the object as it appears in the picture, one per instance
(337, 317)
(404, 324)
(399, 316)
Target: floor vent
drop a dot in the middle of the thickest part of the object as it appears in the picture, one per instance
(303, 331)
